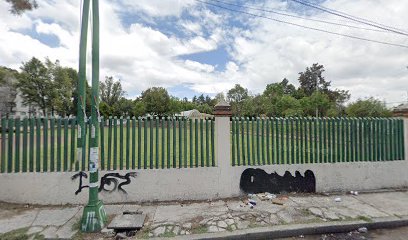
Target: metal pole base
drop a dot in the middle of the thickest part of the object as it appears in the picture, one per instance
(94, 217)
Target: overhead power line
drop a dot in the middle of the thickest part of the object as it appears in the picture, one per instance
(302, 26)
(353, 18)
(299, 17)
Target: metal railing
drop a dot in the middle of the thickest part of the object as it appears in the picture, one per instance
(49, 144)
(262, 141)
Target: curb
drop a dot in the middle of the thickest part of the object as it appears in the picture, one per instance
(283, 231)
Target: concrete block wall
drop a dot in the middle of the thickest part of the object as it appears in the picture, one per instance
(201, 183)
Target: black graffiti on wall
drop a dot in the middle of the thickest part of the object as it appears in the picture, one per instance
(109, 182)
(258, 181)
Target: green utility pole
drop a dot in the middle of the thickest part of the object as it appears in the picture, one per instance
(94, 215)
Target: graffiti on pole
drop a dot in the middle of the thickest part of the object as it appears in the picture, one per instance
(109, 182)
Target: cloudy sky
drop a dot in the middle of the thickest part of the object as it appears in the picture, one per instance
(192, 48)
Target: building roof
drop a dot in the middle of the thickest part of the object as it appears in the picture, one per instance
(401, 107)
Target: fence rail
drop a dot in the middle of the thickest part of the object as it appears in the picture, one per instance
(261, 141)
(49, 144)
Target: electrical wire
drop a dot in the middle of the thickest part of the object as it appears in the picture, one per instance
(306, 27)
(356, 19)
(299, 17)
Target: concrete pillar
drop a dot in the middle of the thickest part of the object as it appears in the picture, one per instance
(222, 113)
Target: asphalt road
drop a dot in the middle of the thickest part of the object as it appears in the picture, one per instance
(379, 234)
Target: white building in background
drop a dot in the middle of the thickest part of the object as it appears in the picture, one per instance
(11, 104)
(193, 114)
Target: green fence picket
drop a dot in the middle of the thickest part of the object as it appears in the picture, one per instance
(213, 142)
(25, 145)
(191, 142)
(174, 141)
(101, 142)
(202, 143)
(268, 149)
(127, 143)
(10, 128)
(38, 146)
(109, 160)
(3, 145)
(248, 141)
(207, 143)
(233, 145)
(185, 140)
(145, 142)
(168, 142)
(139, 143)
(133, 143)
(196, 141)
(52, 144)
(121, 144)
(151, 136)
(32, 143)
(163, 153)
(66, 143)
(115, 143)
(157, 143)
(17, 145)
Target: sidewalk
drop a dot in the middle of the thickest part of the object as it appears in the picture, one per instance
(227, 218)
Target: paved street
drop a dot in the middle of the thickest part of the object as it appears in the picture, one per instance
(221, 216)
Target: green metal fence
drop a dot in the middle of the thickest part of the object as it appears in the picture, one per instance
(49, 144)
(262, 141)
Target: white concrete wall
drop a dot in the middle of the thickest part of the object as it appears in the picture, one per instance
(201, 183)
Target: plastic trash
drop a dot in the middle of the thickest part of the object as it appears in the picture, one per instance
(251, 201)
(337, 199)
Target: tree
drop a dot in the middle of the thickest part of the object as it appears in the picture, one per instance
(317, 100)
(8, 90)
(312, 80)
(111, 91)
(61, 92)
(20, 6)
(235, 96)
(288, 106)
(138, 108)
(156, 101)
(370, 107)
(35, 84)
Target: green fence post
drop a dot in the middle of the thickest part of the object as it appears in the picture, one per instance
(139, 143)
(168, 142)
(25, 144)
(115, 143)
(343, 140)
(52, 144)
(17, 145)
(45, 144)
(302, 139)
(133, 142)
(145, 155)
(361, 139)
(191, 142)
(180, 147)
(102, 141)
(157, 143)
(59, 145)
(258, 158)
(315, 137)
(338, 150)
(201, 143)
(268, 148)
(151, 136)
(163, 155)
(321, 143)
(32, 142)
(3, 144)
(212, 142)
(185, 143)
(402, 140)
(263, 148)
(109, 160)
(237, 128)
(10, 129)
(297, 139)
(273, 149)
(207, 150)
(282, 143)
(379, 139)
(121, 144)
(233, 140)
(65, 143)
(395, 139)
(74, 161)
(196, 141)
(38, 146)
(366, 141)
(248, 141)
(174, 120)
(127, 142)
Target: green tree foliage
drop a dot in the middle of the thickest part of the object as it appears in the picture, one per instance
(20, 6)
(8, 92)
(111, 91)
(156, 101)
(47, 85)
(370, 107)
(236, 96)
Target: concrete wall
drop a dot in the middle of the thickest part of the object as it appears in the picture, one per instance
(200, 183)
